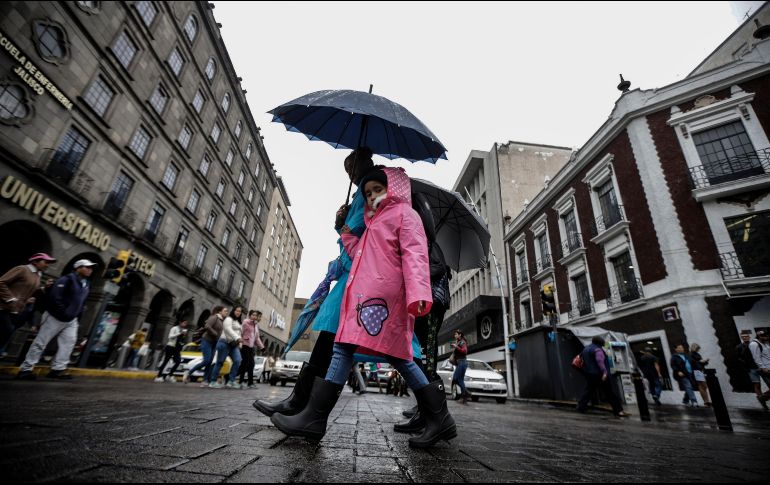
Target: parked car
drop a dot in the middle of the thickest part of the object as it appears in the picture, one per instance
(191, 356)
(287, 369)
(259, 366)
(384, 373)
(480, 379)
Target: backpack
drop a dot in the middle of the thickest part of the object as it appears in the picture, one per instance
(438, 267)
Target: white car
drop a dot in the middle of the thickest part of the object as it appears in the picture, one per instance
(288, 369)
(259, 366)
(480, 379)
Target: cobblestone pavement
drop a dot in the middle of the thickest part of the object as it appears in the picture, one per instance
(107, 430)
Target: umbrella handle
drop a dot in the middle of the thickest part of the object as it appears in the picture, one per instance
(350, 188)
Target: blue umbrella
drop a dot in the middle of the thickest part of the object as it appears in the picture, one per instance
(352, 119)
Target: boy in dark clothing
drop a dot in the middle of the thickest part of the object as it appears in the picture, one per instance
(651, 371)
(683, 373)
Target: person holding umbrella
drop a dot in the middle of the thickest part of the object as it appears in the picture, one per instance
(388, 286)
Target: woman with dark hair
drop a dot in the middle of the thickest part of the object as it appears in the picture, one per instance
(460, 353)
(212, 330)
(229, 344)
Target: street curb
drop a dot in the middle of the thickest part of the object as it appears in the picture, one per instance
(558, 404)
(41, 371)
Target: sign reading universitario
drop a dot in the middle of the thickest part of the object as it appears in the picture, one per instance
(19, 193)
(31, 74)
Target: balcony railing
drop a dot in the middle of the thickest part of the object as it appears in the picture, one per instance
(625, 293)
(544, 263)
(734, 267)
(522, 278)
(604, 222)
(573, 243)
(581, 308)
(731, 169)
(113, 206)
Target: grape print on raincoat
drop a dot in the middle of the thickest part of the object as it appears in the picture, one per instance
(389, 276)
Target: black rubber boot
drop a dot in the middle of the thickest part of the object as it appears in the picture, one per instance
(415, 424)
(298, 399)
(439, 424)
(310, 423)
(410, 412)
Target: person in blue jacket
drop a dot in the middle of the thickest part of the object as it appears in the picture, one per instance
(64, 307)
(328, 318)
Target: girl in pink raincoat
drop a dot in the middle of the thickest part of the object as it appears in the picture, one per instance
(389, 285)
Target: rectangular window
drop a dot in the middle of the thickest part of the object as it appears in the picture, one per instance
(253, 235)
(570, 226)
(247, 262)
(181, 242)
(169, 178)
(248, 151)
(154, 222)
(583, 295)
(198, 101)
(118, 196)
(230, 280)
(192, 202)
(225, 237)
(264, 185)
(238, 128)
(68, 156)
(159, 99)
(627, 287)
(140, 142)
(221, 188)
(99, 95)
(244, 222)
(727, 153)
(750, 234)
(216, 130)
(526, 313)
(259, 210)
(217, 270)
(609, 204)
(185, 136)
(146, 11)
(124, 49)
(264, 276)
(229, 158)
(545, 255)
(175, 61)
(238, 249)
(241, 178)
(241, 287)
(211, 221)
(233, 206)
(200, 259)
(256, 171)
(251, 194)
(205, 165)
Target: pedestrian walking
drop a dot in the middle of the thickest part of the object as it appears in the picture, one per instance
(135, 341)
(65, 305)
(377, 314)
(683, 369)
(173, 351)
(327, 321)
(760, 352)
(250, 342)
(17, 287)
(747, 361)
(698, 371)
(459, 354)
(267, 370)
(374, 375)
(650, 368)
(596, 367)
(212, 330)
(229, 345)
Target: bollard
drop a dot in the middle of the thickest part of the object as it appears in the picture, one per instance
(718, 400)
(641, 396)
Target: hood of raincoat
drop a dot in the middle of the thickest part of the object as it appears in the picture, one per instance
(399, 191)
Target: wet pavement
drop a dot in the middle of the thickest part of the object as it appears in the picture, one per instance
(110, 430)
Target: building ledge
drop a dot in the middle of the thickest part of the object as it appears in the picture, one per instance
(732, 188)
(613, 231)
(625, 306)
(573, 256)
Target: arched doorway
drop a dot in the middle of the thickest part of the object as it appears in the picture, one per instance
(202, 319)
(160, 318)
(19, 240)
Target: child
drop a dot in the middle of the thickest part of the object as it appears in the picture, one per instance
(389, 285)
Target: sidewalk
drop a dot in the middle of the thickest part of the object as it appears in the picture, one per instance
(42, 370)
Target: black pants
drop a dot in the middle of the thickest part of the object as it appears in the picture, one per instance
(7, 327)
(594, 383)
(426, 329)
(323, 351)
(247, 365)
(170, 353)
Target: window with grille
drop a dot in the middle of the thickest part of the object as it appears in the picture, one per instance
(12, 104)
(212, 219)
(175, 61)
(68, 156)
(169, 178)
(583, 295)
(221, 188)
(256, 170)
(146, 11)
(608, 202)
(192, 202)
(216, 130)
(229, 158)
(205, 165)
(211, 68)
(185, 136)
(727, 153)
(244, 222)
(248, 151)
(154, 222)
(241, 287)
(201, 257)
(251, 194)
(139, 142)
(159, 99)
(124, 49)
(233, 206)
(570, 226)
(238, 129)
(181, 243)
(118, 195)
(238, 249)
(241, 178)
(225, 237)
(99, 95)
(217, 270)
(226, 103)
(51, 41)
(545, 257)
(230, 280)
(626, 278)
(191, 28)
(198, 101)
(259, 210)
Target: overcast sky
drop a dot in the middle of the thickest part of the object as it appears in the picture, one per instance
(474, 73)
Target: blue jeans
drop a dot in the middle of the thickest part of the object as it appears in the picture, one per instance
(223, 350)
(207, 348)
(342, 361)
(459, 375)
(132, 359)
(689, 394)
(656, 387)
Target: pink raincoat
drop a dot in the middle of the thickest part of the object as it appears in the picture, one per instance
(389, 277)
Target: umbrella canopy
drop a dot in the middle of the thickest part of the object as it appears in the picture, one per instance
(460, 233)
(352, 119)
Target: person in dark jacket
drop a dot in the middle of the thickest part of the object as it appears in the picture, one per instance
(684, 374)
(596, 369)
(66, 300)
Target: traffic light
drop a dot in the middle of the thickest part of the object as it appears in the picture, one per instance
(117, 266)
(547, 297)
